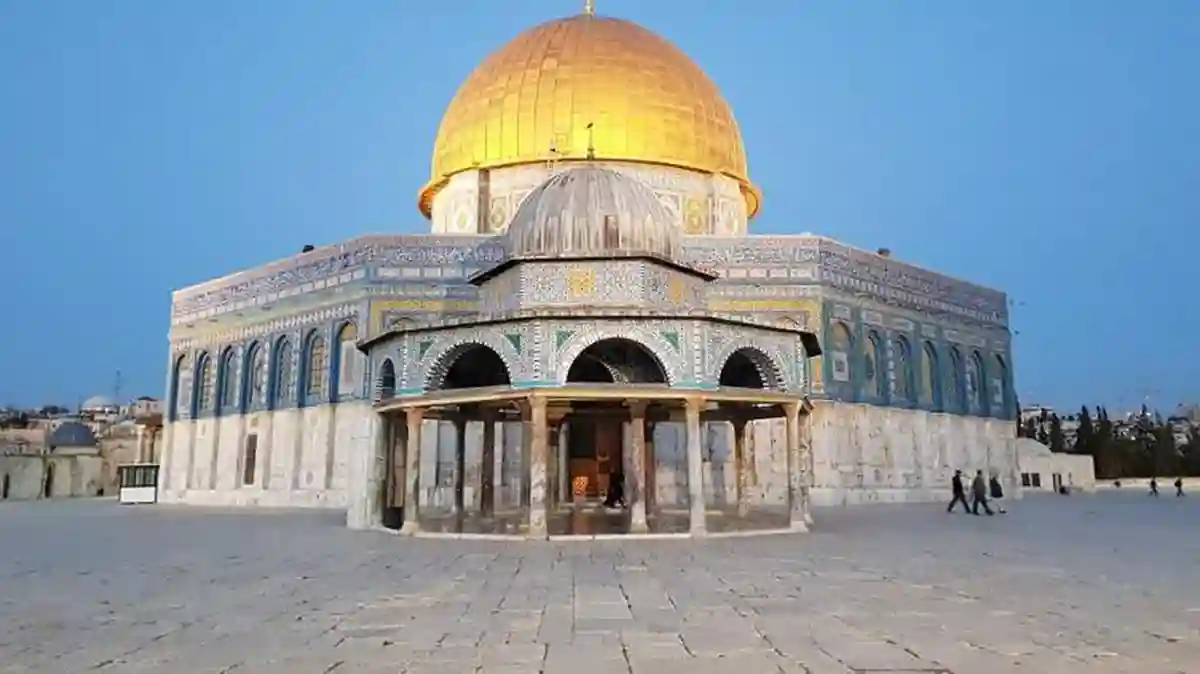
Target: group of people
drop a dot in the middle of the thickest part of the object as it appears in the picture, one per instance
(981, 492)
(1178, 486)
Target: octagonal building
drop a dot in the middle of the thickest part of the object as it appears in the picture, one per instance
(588, 340)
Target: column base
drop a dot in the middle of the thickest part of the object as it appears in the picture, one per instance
(800, 527)
(410, 528)
(637, 526)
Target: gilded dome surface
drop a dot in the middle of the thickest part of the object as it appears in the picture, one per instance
(534, 100)
(592, 211)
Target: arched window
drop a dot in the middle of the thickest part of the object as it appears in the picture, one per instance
(902, 356)
(205, 383)
(958, 399)
(1000, 397)
(976, 385)
(840, 356)
(227, 381)
(387, 379)
(255, 385)
(346, 361)
(283, 383)
(931, 385)
(179, 387)
(874, 370)
(316, 369)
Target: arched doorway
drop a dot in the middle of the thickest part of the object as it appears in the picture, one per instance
(469, 366)
(616, 361)
(749, 367)
(595, 434)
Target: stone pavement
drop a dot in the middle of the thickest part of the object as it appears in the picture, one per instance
(1106, 583)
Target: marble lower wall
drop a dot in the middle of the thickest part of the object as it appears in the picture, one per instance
(332, 456)
(300, 457)
(865, 454)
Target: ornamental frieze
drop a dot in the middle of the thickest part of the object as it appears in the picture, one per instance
(243, 333)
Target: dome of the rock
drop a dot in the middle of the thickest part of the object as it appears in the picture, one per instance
(585, 82)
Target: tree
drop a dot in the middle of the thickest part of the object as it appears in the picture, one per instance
(1190, 459)
(1166, 456)
(1085, 436)
(1057, 440)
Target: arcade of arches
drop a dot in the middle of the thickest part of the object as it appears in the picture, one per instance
(586, 441)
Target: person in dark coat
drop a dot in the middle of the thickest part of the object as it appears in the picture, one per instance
(1178, 487)
(997, 492)
(1154, 486)
(616, 490)
(979, 491)
(960, 494)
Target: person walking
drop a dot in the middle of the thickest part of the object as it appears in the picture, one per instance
(1154, 486)
(979, 491)
(960, 494)
(997, 493)
(1178, 487)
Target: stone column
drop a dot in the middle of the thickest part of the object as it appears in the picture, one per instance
(651, 460)
(366, 489)
(795, 471)
(487, 469)
(806, 464)
(412, 470)
(698, 525)
(460, 464)
(741, 469)
(635, 477)
(564, 461)
(538, 449)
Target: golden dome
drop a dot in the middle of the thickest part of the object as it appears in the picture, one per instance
(534, 100)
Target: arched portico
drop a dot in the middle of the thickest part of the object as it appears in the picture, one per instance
(639, 356)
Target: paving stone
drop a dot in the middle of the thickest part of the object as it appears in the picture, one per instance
(1106, 583)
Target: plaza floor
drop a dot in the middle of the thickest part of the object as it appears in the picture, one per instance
(1107, 583)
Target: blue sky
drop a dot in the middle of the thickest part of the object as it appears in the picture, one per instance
(1047, 148)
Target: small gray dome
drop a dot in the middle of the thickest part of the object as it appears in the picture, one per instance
(592, 211)
(98, 403)
(72, 434)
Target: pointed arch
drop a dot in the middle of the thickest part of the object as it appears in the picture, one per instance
(386, 383)
(1002, 396)
(874, 372)
(931, 383)
(957, 401)
(902, 360)
(748, 366)
(175, 397)
(282, 388)
(346, 361)
(314, 370)
(842, 354)
(227, 381)
(468, 365)
(976, 378)
(203, 385)
(254, 378)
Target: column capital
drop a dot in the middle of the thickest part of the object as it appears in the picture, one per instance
(414, 414)
(792, 410)
(637, 408)
(695, 404)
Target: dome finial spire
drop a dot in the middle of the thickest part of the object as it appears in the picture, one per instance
(589, 7)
